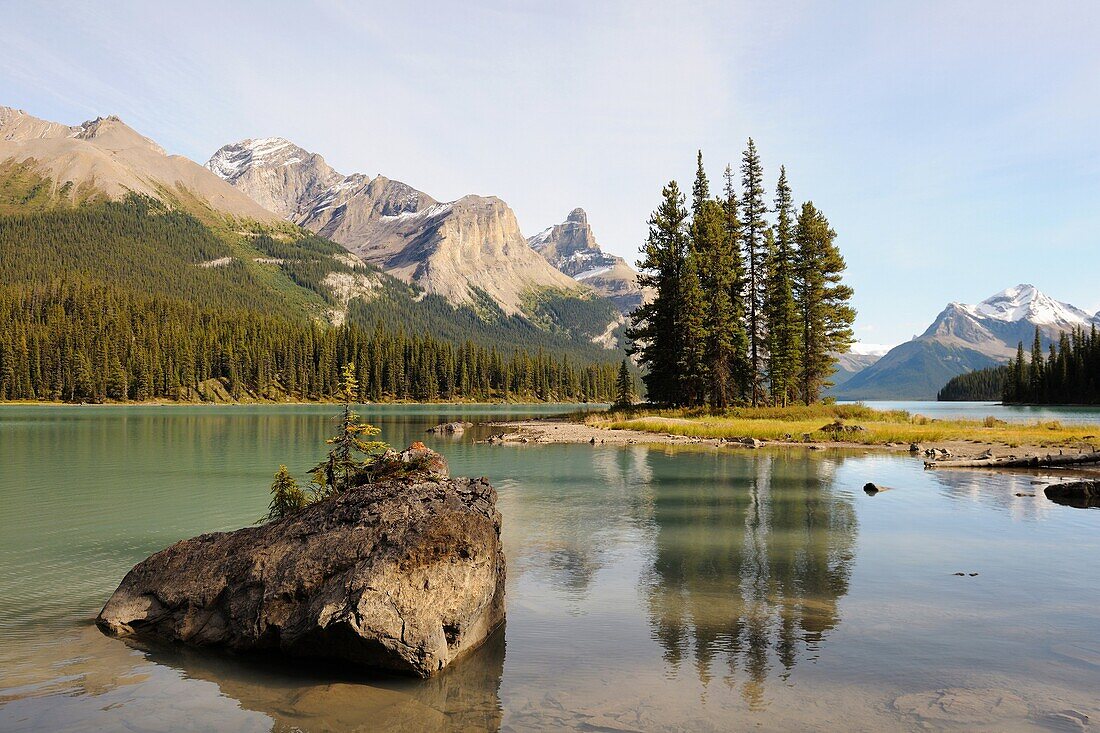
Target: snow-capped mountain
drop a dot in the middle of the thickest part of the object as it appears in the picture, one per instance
(459, 250)
(571, 247)
(1027, 303)
(964, 338)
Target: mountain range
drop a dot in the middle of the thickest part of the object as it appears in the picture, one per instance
(462, 250)
(458, 270)
(961, 339)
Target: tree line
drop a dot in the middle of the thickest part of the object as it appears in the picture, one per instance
(746, 310)
(76, 339)
(1069, 374)
(980, 385)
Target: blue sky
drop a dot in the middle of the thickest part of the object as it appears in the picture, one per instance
(955, 146)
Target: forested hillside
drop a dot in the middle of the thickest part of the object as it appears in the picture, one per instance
(136, 300)
(78, 340)
(1068, 373)
(983, 385)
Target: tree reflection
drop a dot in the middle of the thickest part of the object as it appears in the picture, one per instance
(752, 556)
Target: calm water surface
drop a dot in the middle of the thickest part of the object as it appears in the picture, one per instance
(980, 410)
(649, 589)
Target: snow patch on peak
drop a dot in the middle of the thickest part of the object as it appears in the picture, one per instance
(541, 238)
(1027, 303)
(234, 159)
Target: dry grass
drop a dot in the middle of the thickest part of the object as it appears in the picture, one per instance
(800, 423)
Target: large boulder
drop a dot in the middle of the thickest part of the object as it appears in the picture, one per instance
(405, 574)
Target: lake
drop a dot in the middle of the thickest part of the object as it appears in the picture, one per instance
(981, 410)
(649, 588)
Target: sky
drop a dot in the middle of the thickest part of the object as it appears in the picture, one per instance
(953, 145)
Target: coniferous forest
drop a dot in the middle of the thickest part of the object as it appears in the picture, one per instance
(1069, 374)
(78, 340)
(106, 302)
(981, 385)
(748, 310)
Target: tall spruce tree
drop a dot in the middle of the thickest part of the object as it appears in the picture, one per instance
(692, 324)
(715, 266)
(823, 301)
(624, 387)
(753, 228)
(1036, 372)
(784, 332)
(655, 330)
(731, 270)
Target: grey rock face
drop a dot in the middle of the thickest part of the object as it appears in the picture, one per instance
(571, 247)
(450, 249)
(276, 173)
(404, 575)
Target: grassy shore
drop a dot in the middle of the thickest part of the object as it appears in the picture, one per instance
(866, 426)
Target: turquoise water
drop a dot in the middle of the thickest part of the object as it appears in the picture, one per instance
(649, 588)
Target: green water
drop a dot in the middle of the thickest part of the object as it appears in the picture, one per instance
(649, 589)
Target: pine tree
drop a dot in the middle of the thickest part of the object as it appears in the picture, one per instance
(784, 333)
(1037, 370)
(731, 269)
(692, 324)
(753, 228)
(286, 496)
(654, 332)
(716, 267)
(336, 473)
(823, 301)
(624, 387)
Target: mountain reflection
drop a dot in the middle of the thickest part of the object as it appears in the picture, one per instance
(752, 555)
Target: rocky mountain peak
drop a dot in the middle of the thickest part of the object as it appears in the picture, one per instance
(1027, 303)
(111, 133)
(454, 249)
(571, 247)
(276, 173)
(107, 155)
(17, 125)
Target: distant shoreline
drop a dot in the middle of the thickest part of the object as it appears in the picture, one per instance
(799, 427)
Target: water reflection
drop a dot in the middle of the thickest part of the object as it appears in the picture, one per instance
(296, 697)
(95, 682)
(751, 559)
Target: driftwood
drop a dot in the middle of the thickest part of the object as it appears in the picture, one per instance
(1075, 459)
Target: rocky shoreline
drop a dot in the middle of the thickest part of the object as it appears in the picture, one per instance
(554, 430)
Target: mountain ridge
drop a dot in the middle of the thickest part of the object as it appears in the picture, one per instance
(964, 338)
(454, 249)
(107, 156)
(571, 248)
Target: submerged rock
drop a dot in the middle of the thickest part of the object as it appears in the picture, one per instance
(405, 574)
(1078, 494)
(451, 427)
